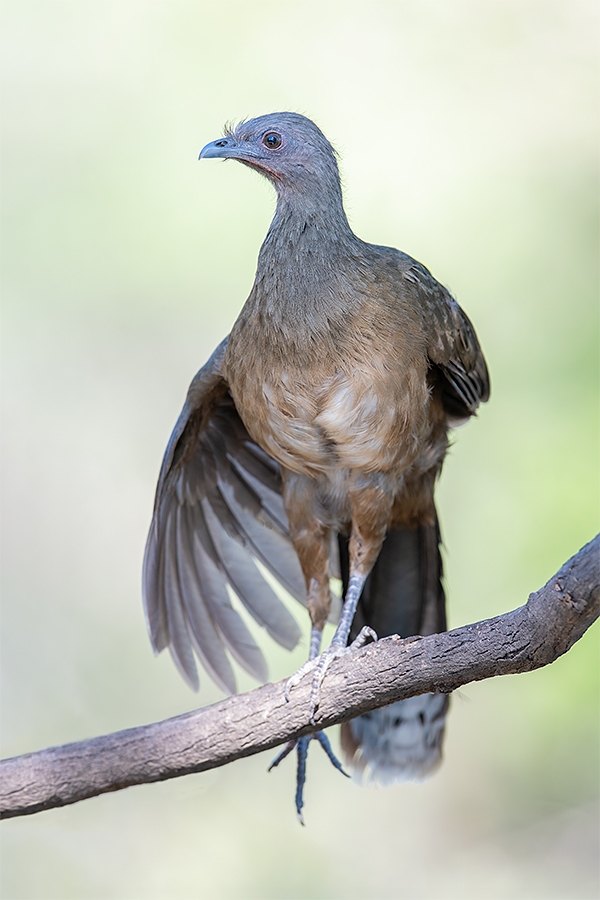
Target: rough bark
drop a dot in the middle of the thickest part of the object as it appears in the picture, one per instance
(534, 635)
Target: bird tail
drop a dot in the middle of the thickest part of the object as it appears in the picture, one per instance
(402, 595)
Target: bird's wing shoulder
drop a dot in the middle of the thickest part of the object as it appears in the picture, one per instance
(453, 348)
(218, 507)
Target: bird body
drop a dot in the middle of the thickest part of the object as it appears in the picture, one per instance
(316, 383)
(322, 420)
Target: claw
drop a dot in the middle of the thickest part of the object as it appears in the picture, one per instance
(297, 677)
(318, 665)
(322, 738)
(362, 637)
(334, 651)
(321, 663)
(301, 746)
(281, 756)
(301, 776)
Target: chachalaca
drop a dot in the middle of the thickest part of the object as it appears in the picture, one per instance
(311, 440)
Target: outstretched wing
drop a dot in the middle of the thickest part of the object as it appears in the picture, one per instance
(218, 507)
(453, 347)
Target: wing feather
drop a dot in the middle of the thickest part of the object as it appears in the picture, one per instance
(270, 501)
(180, 644)
(274, 550)
(453, 347)
(154, 608)
(234, 632)
(259, 599)
(204, 634)
(218, 507)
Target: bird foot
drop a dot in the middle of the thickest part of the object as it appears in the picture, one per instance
(297, 677)
(321, 663)
(301, 747)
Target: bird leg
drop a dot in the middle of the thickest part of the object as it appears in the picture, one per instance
(315, 645)
(312, 541)
(371, 506)
(301, 744)
(311, 536)
(338, 646)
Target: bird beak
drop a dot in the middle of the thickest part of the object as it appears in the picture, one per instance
(227, 148)
(224, 148)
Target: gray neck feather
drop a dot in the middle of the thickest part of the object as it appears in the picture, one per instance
(307, 255)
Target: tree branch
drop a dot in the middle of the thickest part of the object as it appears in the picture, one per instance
(391, 669)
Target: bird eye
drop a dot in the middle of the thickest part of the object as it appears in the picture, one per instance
(272, 140)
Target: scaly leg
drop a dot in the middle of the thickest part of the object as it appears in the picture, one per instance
(311, 535)
(301, 744)
(338, 646)
(371, 503)
(315, 645)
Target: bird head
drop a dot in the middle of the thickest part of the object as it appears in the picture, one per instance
(285, 147)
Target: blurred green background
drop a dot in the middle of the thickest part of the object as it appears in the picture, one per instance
(468, 136)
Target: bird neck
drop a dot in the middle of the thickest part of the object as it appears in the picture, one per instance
(308, 275)
(307, 248)
(307, 236)
(310, 213)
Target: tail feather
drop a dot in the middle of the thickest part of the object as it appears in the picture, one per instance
(403, 595)
(400, 742)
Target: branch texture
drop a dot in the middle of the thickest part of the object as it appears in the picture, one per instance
(534, 635)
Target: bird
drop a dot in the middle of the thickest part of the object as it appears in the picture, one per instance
(311, 442)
